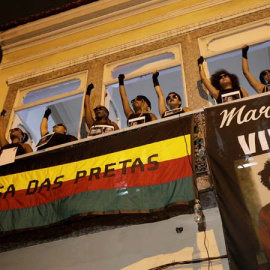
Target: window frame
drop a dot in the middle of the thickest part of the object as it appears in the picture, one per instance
(234, 38)
(149, 69)
(22, 92)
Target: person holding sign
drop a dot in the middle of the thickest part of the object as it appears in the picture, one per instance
(264, 84)
(57, 137)
(17, 136)
(141, 106)
(223, 86)
(101, 123)
(173, 100)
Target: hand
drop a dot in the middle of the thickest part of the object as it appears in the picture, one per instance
(155, 75)
(4, 112)
(155, 78)
(47, 113)
(244, 51)
(200, 60)
(121, 78)
(90, 87)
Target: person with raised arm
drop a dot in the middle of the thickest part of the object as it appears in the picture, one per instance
(223, 86)
(141, 106)
(101, 123)
(17, 136)
(173, 100)
(57, 137)
(261, 86)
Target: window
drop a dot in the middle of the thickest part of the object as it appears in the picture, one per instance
(138, 72)
(223, 50)
(63, 96)
(258, 58)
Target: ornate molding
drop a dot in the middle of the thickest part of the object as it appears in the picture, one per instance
(233, 39)
(129, 45)
(59, 27)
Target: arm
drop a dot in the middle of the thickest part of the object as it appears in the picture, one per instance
(44, 122)
(3, 140)
(87, 107)
(127, 109)
(115, 126)
(161, 101)
(187, 109)
(153, 117)
(213, 91)
(245, 94)
(257, 86)
(27, 148)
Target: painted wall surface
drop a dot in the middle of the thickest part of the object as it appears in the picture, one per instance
(131, 248)
(116, 29)
(64, 51)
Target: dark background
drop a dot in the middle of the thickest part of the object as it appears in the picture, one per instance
(18, 12)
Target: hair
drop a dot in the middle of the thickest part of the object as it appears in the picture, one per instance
(145, 109)
(146, 100)
(108, 121)
(262, 74)
(174, 94)
(25, 137)
(215, 79)
(265, 173)
(106, 111)
(64, 126)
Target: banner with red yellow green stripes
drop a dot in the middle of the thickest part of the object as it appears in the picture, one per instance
(139, 170)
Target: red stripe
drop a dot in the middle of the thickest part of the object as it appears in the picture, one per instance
(167, 171)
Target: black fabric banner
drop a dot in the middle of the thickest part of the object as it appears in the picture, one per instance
(238, 139)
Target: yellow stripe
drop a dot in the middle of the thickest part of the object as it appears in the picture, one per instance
(166, 150)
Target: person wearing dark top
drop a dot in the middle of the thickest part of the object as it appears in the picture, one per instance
(17, 137)
(101, 123)
(261, 86)
(222, 84)
(173, 100)
(58, 136)
(141, 106)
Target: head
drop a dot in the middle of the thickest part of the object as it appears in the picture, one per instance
(265, 174)
(101, 112)
(17, 135)
(265, 76)
(173, 100)
(141, 103)
(60, 128)
(222, 79)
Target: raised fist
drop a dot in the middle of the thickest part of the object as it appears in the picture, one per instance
(90, 87)
(121, 78)
(155, 78)
(200, 60)
(245, 50)
(47, 113)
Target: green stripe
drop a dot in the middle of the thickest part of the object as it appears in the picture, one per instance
(138, 198)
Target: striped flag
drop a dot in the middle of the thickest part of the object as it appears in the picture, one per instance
(138, 170)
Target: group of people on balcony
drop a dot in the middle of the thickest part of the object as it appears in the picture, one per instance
(223, 87)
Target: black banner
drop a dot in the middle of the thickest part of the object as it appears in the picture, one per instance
(238, 140)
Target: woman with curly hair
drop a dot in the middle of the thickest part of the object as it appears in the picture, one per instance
(221, 84)
(261, 86)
